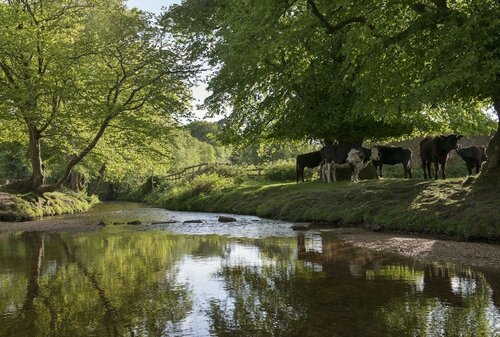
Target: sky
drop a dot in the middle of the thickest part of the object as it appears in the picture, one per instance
(155, 6)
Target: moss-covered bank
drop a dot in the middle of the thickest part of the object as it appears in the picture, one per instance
(449, 208)
(30, 207)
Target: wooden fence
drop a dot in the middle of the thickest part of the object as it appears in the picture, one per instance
(250, 170)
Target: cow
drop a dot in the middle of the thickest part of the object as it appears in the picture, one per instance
(360, 158)
(435, 150)
(473, 156)
(392, 156)
(336, 157)
(310, 160)
(333, 156)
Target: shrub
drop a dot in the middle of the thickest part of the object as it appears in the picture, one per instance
(284, 170)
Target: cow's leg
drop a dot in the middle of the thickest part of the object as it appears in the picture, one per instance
(356, 173)
(469, 168)
(328, 172)
(424, 168)
(380, 169)
(334, 172)
(443, 167)
(436, 169)
(478, 166)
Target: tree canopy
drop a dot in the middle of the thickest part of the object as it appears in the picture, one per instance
(345, 70)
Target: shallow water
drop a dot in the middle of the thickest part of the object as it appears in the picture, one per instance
(250, 278)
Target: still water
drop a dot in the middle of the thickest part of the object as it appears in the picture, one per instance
(250, 278)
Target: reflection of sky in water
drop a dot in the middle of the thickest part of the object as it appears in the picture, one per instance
(205, 284)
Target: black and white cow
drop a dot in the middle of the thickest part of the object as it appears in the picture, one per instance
(392, 156)
(310, 160)
(473, 156)
(360, 158)
(337, 157)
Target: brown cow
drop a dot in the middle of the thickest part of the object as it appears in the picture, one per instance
(435, 150)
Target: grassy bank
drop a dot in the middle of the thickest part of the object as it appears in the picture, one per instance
(437, 207)
(30, 207)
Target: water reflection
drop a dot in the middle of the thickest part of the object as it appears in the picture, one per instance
(121, 282)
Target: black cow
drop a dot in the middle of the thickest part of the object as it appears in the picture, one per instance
(310, 160)
(473, 156)
(390, 155)
(435, 150)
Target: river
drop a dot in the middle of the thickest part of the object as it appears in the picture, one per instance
(253, 277)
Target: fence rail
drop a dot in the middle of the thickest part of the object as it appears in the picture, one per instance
(251, 171)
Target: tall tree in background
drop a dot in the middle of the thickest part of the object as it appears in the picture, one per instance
(72, 71)
(345, 70)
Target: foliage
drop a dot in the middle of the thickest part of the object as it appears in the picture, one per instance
(284, 170)
(198, 186)
(30, 206)
(345, 71)
(14, 162)
(81, 74)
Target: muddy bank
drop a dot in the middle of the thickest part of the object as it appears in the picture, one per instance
(49, 225)
(425, 249)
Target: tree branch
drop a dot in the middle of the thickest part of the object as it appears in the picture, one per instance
(332, 29)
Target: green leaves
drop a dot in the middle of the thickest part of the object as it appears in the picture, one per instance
(343, 70)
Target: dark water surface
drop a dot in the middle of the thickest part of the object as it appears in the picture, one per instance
(250, 278)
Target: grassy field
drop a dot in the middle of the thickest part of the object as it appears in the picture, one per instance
(29, 207)
(446, 208)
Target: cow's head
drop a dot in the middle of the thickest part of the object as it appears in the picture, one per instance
(374, 156)
(354, 157)
(451, 141)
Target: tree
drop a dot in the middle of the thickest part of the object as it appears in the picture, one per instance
(295, 70)
(433, 54)
(72, 71)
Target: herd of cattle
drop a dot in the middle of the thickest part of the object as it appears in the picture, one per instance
(433, 150)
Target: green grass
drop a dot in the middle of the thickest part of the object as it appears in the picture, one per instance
(30, 207)
(443, 207)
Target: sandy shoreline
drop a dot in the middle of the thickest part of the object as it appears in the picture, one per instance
(425, 249)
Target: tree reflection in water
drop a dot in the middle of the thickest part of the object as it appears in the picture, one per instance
(129, 283)
(93, 284)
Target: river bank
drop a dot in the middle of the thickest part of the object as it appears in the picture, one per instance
(425, 249)
(31, 207)
(444, 208)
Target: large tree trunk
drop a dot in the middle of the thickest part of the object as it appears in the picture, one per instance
(490, 171)
(37, 177)
(33, 183)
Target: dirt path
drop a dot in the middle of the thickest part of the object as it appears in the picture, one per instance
(426, 249)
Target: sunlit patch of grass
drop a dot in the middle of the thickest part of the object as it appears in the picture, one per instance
(445, 207)
(29, 206)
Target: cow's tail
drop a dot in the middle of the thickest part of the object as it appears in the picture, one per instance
(410, 160)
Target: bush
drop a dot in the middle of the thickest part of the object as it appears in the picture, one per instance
(284, 170)
(170, 195)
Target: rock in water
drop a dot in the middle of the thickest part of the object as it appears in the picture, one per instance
(226, 219)
(301, 226)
